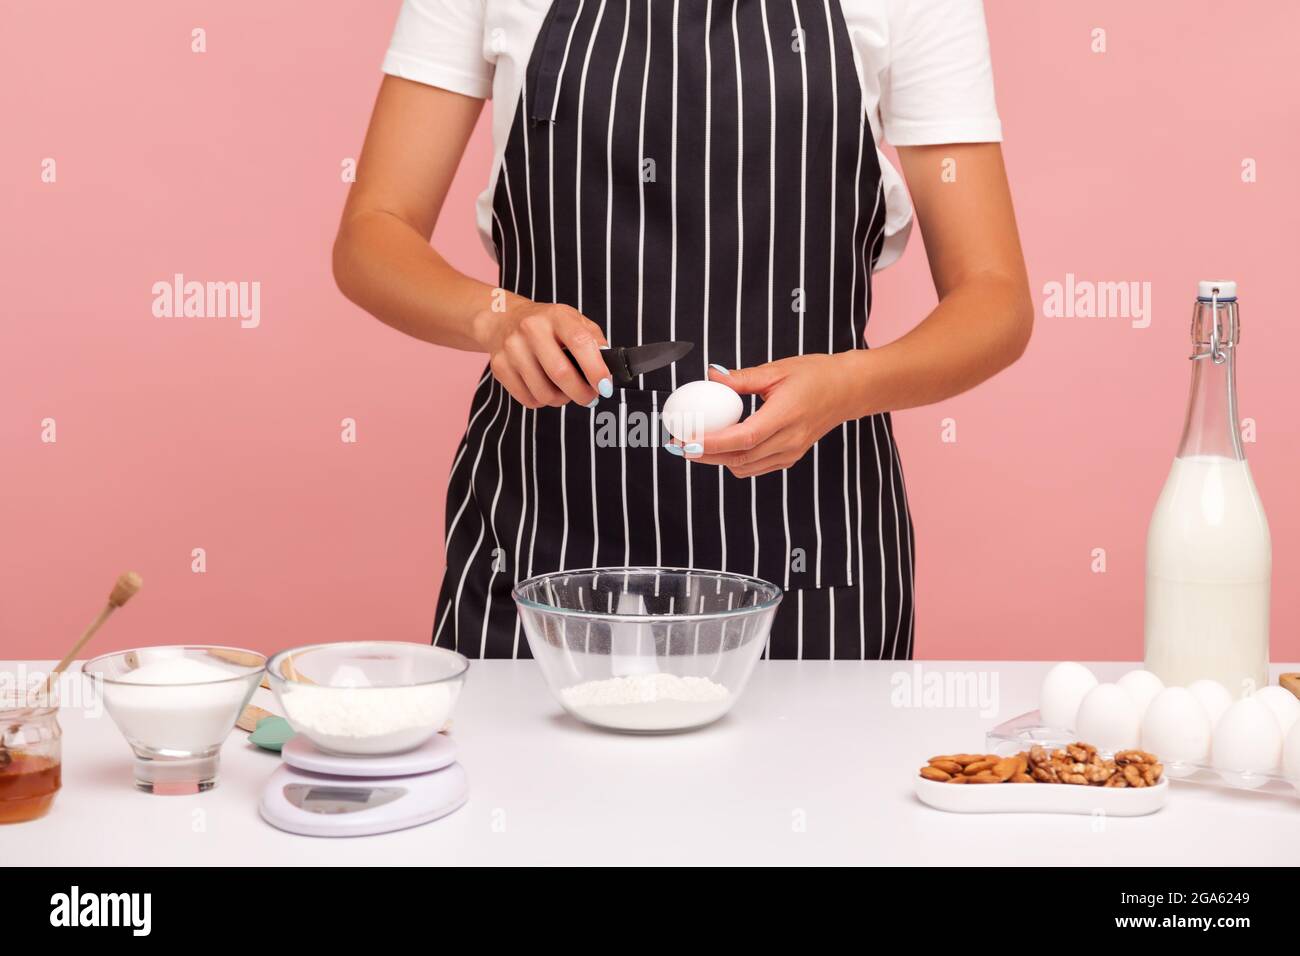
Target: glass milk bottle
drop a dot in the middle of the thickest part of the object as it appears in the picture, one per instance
(1209, 555)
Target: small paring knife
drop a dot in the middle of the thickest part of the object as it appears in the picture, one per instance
(625, 364)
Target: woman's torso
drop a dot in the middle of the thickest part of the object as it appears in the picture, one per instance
(702, 172)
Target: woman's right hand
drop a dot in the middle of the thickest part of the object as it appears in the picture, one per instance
(525, 344)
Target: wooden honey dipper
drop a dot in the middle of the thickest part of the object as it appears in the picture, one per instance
(124, 589)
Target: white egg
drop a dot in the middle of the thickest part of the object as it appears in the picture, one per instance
(1214, 697)
(1062, 691)
(1284, 705)
(1108, 719)
(1247, 742)
(1291, 756)
(1142, 686)
(1176, 729)
(697, 409)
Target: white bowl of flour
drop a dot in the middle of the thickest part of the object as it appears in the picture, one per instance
(363, 698)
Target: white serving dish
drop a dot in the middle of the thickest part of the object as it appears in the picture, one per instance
(1021, 733)
(1042, 798)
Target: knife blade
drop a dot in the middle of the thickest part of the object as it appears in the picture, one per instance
(625, 363)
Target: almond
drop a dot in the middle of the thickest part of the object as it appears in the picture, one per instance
(934, 773)
(1006, 768)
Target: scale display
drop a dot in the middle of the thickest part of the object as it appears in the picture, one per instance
(315, 799)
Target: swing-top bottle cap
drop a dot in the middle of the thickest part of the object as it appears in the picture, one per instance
(1222, 289)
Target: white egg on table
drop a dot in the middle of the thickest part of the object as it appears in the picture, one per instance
(1214, 697)
(1142, 686)
(1177, 730)
(1246, 743)
(1108, 719)
(1291, 756)
(697, 409)
(1284, 705)
(1063, 689)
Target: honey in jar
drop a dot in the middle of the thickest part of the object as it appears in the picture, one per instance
(30, 762)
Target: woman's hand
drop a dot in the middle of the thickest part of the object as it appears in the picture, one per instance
(526, 344)
(980, 326)
(803, 398)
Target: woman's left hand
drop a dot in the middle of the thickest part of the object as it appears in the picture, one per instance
(804, 397)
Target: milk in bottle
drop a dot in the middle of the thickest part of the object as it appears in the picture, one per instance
(1209, 555)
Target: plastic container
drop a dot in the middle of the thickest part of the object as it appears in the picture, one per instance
(1021, 733)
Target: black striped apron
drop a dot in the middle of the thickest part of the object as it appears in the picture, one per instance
(698, 170)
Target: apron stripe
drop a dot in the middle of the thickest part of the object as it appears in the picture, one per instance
(517, 565)
(497, 550)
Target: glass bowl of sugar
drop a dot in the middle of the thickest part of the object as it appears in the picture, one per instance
(175, 706)
(647, 650)
(366, 698)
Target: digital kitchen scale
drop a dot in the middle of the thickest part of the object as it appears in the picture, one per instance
(319, 794)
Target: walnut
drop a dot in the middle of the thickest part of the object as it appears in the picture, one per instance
(1099, 773)
(1081, 752)
(1134, 756)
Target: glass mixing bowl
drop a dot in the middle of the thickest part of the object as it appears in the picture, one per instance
(646, 650)
(364, 698)
(176, 705)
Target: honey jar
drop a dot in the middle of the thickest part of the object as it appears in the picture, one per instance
(30, 759)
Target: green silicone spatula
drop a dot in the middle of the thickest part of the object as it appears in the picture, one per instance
(265, 729)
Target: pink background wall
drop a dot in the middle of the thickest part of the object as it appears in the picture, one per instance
(175, 434)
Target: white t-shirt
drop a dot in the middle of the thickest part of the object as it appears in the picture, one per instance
(926, 75)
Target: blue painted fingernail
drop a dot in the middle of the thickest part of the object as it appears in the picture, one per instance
(606, 388)
(593, 402)
(673, 449)
(718, 368)
(694, 448)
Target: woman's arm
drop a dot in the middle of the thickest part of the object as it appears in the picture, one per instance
(383, 261)
(981, 324)
(984, 316)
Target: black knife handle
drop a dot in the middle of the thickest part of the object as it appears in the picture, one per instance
(615, 361)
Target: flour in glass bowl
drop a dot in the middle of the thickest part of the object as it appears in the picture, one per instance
(648, 702)
(368, 720)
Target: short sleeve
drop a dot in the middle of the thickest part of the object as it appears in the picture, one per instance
(938, 87)
(440, 43)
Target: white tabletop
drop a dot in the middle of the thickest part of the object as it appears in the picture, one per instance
(813, 766)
